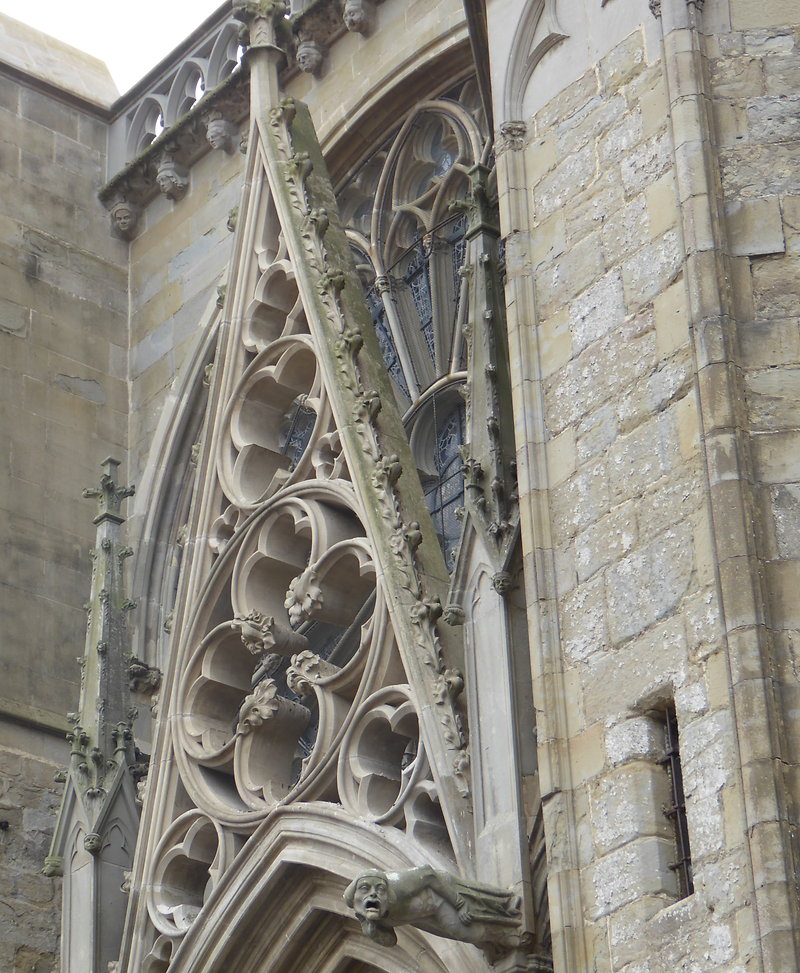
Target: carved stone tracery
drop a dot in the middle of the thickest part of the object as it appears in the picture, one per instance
(290, 684)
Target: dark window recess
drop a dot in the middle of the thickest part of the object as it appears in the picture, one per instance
(444, 493)
(298, 424)
(676, 812)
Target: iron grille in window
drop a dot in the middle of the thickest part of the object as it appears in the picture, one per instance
(296, 431)
(676, 812)
(445, 493)
(398, 209)
(418, 279)
(388, 348)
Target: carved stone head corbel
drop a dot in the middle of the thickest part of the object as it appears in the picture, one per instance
(310, 54)
(172, 178)
(124, 218)
(358, 16)
(220, 133)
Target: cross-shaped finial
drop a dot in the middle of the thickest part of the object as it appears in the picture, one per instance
(109, 496)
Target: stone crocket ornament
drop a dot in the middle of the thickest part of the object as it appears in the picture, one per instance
(436, 902)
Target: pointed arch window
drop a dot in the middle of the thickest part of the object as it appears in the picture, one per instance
(405, 215)
(408, 230)
(445, 492)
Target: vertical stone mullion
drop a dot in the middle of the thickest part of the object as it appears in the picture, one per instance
(549, 690)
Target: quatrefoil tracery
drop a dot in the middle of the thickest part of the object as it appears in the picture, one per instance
(190, 859)
(266, 694)
(263, 452)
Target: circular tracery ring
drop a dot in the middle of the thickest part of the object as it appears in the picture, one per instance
(266, 694)
(382, 759)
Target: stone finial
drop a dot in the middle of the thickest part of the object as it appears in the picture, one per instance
(261, 20)
(109, 496)
(220, 133)
(310, 54)
(124, 218)
(172, 178)
(358, 16)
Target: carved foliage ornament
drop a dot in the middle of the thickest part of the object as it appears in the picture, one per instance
(387, 468)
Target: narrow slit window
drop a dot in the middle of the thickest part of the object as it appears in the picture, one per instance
(676, 810)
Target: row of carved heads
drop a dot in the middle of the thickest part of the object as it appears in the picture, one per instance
(171, 177)
(358, 19)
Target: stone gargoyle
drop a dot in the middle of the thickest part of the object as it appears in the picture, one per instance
(436, 902)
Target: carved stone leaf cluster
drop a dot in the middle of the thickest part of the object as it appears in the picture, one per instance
(387, 470)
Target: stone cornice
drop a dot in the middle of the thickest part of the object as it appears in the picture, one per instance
(185, 141)
(53, 91)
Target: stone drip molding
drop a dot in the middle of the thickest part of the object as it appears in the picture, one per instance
(366, 404)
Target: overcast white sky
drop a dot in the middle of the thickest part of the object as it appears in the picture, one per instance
(130, 37)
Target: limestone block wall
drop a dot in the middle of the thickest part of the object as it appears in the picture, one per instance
(64, 401)
(622, 557)
(29, 800)
(63, 354)
(755, 72)
(178, 259)
(412, 50)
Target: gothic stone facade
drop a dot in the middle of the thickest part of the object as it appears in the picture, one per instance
(462, 409)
